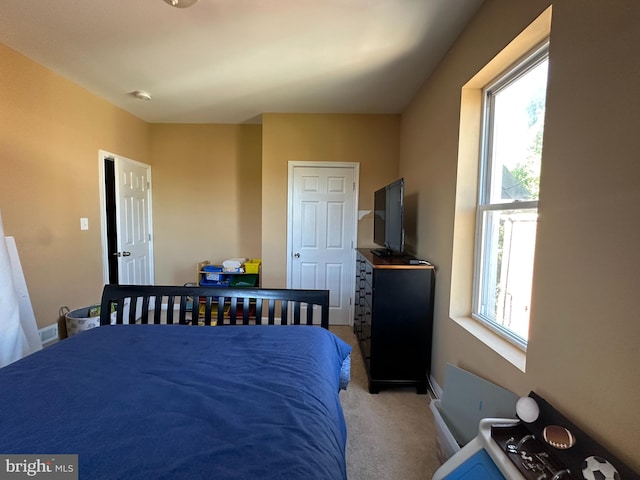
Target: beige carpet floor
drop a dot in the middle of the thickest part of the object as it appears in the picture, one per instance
(390, 435)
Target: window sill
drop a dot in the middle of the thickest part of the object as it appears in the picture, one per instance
(495, 342)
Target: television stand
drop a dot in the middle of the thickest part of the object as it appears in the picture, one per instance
(381, 252)
(387, 253)
(393, 318)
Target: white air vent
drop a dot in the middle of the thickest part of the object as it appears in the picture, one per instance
(49, 334)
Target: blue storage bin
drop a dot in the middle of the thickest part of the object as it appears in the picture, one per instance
(212, 268)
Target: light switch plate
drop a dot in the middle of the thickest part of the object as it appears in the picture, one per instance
(84, 223)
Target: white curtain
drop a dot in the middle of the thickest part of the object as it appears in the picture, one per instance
(18, 329)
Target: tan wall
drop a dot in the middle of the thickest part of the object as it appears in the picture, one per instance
(50, 134)
(583, 348)
(371, 140)
(584, 338)
(206, 196)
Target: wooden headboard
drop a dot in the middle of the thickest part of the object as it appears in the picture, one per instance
(198, 305)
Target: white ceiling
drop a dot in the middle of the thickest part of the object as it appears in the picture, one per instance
(228, 61)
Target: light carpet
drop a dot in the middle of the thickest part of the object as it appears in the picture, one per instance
(390, 435)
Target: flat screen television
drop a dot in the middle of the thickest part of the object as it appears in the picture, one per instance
(388, 220)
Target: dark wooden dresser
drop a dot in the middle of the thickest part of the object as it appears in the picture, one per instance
(393, 319)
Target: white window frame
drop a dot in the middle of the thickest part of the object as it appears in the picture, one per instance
(482, 255)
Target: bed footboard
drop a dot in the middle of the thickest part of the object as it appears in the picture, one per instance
(199, 305)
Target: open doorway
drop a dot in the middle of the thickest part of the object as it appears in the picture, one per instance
(110, 218)
(127, 240)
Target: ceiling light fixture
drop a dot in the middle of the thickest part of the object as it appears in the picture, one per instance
(142, 95)
(180, 3)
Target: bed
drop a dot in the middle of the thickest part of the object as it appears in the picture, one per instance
(213, 305)
(258, 399)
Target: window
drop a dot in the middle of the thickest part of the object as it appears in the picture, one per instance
(506, 218)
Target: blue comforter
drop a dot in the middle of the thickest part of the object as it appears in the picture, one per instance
(174, 402)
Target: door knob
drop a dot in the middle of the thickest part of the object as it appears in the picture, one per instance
(297, 255)
(126, 254)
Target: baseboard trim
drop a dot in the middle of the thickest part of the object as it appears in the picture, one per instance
(435, 387)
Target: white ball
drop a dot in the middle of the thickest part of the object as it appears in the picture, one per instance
(594, 468)
(527, 409)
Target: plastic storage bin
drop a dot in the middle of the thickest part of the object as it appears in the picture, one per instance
(446, 444)
(212, 268)
(252, 266)
(245, 280)
(223, 281)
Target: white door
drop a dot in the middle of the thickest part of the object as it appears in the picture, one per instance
(322, 232)
(133, 183)
(127, 241)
